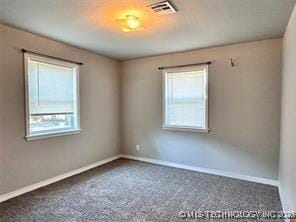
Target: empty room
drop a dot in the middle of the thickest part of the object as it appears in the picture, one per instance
(147, 110)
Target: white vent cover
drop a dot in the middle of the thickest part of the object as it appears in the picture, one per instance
(162, 8)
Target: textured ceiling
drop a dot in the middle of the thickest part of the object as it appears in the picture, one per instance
(90, 24)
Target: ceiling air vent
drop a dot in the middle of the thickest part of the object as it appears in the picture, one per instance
(162, 8)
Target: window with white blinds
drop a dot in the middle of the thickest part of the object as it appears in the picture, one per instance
(185, 98)
(52, 100)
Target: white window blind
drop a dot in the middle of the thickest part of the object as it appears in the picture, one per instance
(52, 99)
(186, 98)
(51, 88)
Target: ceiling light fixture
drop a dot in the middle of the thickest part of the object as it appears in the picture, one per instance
(130, 23)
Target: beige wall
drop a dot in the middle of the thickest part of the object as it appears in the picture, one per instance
(1, 110)
(23, 163)
(244, 110)
(288, 128)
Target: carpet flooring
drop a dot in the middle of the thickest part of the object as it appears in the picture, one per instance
(127, 190)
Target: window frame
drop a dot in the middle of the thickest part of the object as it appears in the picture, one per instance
(49, 133)
(165, 126)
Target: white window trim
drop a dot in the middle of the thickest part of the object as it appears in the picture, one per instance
(52, 134)
(61, 132)
(206, 129)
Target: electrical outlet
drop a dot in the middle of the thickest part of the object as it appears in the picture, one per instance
(138, 147)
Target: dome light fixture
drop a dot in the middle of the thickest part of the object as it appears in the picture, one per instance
(130, 23)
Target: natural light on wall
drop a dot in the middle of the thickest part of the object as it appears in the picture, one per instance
(185, 101)
(52, 96)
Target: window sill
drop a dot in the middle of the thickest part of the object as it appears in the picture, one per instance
(188, 129)
(54, 134)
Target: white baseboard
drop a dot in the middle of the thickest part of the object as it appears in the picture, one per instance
(204, 170)
(149, 160)
(283, 201)
(55, 179)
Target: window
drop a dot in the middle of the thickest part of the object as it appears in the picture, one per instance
(185, 98)
(52, 97)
